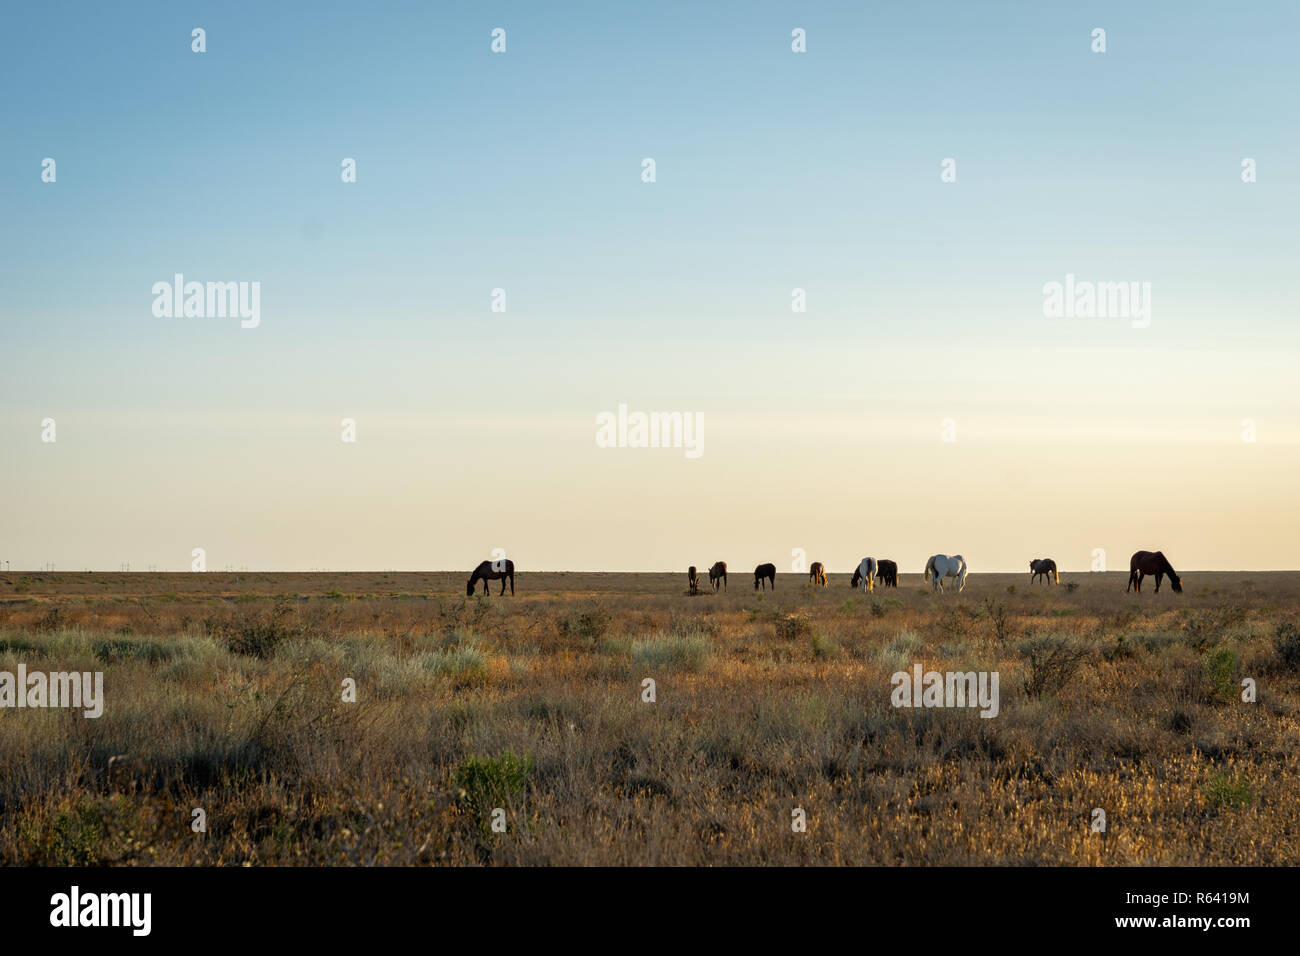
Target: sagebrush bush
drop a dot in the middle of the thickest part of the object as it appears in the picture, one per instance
(681, 651)
(589, 623)
(792, 627)
(899, 651)
(1053, 661)
(1286, 645)
(257, 633)
(463, 662)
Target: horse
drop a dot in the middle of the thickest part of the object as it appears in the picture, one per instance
(765, 573)
(1152, 562)
(1045, 567)
(487, 571)
(866, 574)
(718, 573)
(817, 574)
(941, 566)
(693, 579)
(887, 573)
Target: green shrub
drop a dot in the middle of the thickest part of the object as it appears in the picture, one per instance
(1223, 790)
(489, 782)
(1220, 668)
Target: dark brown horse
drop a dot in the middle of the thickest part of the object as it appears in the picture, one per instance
(718, 573)
(817, 574)
(765, 573)
(693, 579)
(1045, 567)
(488, 571)
(887, 573)
(1151, 562)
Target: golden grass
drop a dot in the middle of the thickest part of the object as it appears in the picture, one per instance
(764, 703)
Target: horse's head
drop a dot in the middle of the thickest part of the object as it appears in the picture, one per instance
(469, 588)
(1176, 583)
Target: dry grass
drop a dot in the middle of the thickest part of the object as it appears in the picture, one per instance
(226, 695)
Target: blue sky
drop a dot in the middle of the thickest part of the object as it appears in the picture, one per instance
(774, 170)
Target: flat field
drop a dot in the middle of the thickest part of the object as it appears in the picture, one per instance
(226, 693)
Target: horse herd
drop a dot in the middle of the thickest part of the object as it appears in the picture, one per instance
(869, 570)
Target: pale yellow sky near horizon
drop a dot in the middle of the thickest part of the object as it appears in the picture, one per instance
(423, 495)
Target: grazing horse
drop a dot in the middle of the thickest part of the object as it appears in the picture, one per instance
(887, 573)
(866, 574)
(693, 579)
(1152, 562)
(487, 571)
(1045, 567)
(941, 566)
(765, 573)
(718, 573)
(817, 574)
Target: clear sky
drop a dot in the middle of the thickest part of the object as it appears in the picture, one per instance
(823, 430)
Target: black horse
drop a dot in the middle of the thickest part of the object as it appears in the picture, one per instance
(693, 579)
(487, 571)
(718, 573)
(1151, 562)
(887, 573)
(765, 573)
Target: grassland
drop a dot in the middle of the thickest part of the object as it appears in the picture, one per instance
(224, 692)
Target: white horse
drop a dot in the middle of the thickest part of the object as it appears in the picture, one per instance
(941, 566)
(867, 574)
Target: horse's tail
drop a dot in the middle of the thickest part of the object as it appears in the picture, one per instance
(929, 569)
